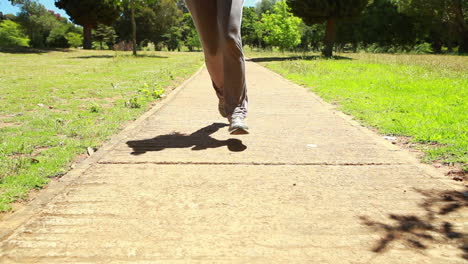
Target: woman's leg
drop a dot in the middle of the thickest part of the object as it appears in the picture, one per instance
(235, 88)
(204, 14)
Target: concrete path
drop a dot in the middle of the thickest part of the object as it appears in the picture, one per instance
(308, 185)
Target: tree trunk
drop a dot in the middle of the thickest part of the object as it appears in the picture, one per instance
(329, 40)
(463, 48)
(449, 46)
(134, 42)
(436, 46)
(462, 26)
(87, 44)
(355, 46)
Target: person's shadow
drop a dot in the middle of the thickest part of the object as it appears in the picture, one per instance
(198, 140)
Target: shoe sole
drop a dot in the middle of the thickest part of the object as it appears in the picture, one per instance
(239, 131)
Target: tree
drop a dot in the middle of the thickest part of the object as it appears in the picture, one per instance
(439, 17)
(311, 37)
(90, 13)
(265, 5)
(132, 6)
(249, 19)
(57, 37)
(381, 27)
(105, 34)
(11, 35)
(153, 21)
(37, 21)
(182, 6)
(281, 27)
(173, 38)
(329, 11)
(189, 33)
(17, 2)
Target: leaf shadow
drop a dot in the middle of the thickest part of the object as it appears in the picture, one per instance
(421, 232)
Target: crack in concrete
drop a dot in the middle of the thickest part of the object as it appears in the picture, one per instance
(252, 163)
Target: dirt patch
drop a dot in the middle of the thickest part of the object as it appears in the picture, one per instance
(5, 116)
(458, 174)
(454, 171)
(38, 150)
(7, 124)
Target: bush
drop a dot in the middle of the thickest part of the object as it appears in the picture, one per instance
(75, 40)
(11, 35)
(423, 48)
(97, 45)
(57, 37)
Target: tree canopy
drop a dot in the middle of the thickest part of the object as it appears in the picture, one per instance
(90, 13)
(281, 27)
(11, 35)
(329, 11)
(425, 26)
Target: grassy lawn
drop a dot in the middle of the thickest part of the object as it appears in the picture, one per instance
(423, 97)
(54, 105)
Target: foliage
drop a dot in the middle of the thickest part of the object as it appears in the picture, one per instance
(173, 38)
(153, 19)
(311, 37)
(384, 26)
(156, 92)
(193, 41)
(57, 36)
(189, 33)
(132, 6)
(104, 35)
(90, 13)
(250, 19)
(319, 11)
(11, 35)
(380, 16)
(265, 5)
(281, 28)
(444, 21)
(38, 22)
(43, 27)
(74, 40)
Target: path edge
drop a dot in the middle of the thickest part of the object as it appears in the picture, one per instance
(428, 169)
(11, 222)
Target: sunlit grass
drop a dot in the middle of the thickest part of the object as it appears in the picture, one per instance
(54, 105)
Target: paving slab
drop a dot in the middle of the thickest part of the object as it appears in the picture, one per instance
(308, 185)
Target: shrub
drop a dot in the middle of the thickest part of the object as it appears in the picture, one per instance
(57, 37)
(75, 40)
(423, 48)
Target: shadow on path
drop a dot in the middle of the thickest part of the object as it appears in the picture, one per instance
(420, 232)
(198, 140)
(266, 59)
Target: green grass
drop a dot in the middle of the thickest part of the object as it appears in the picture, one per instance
(54, 105)
(424, 97)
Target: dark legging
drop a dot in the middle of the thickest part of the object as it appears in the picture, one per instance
(218, 24)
